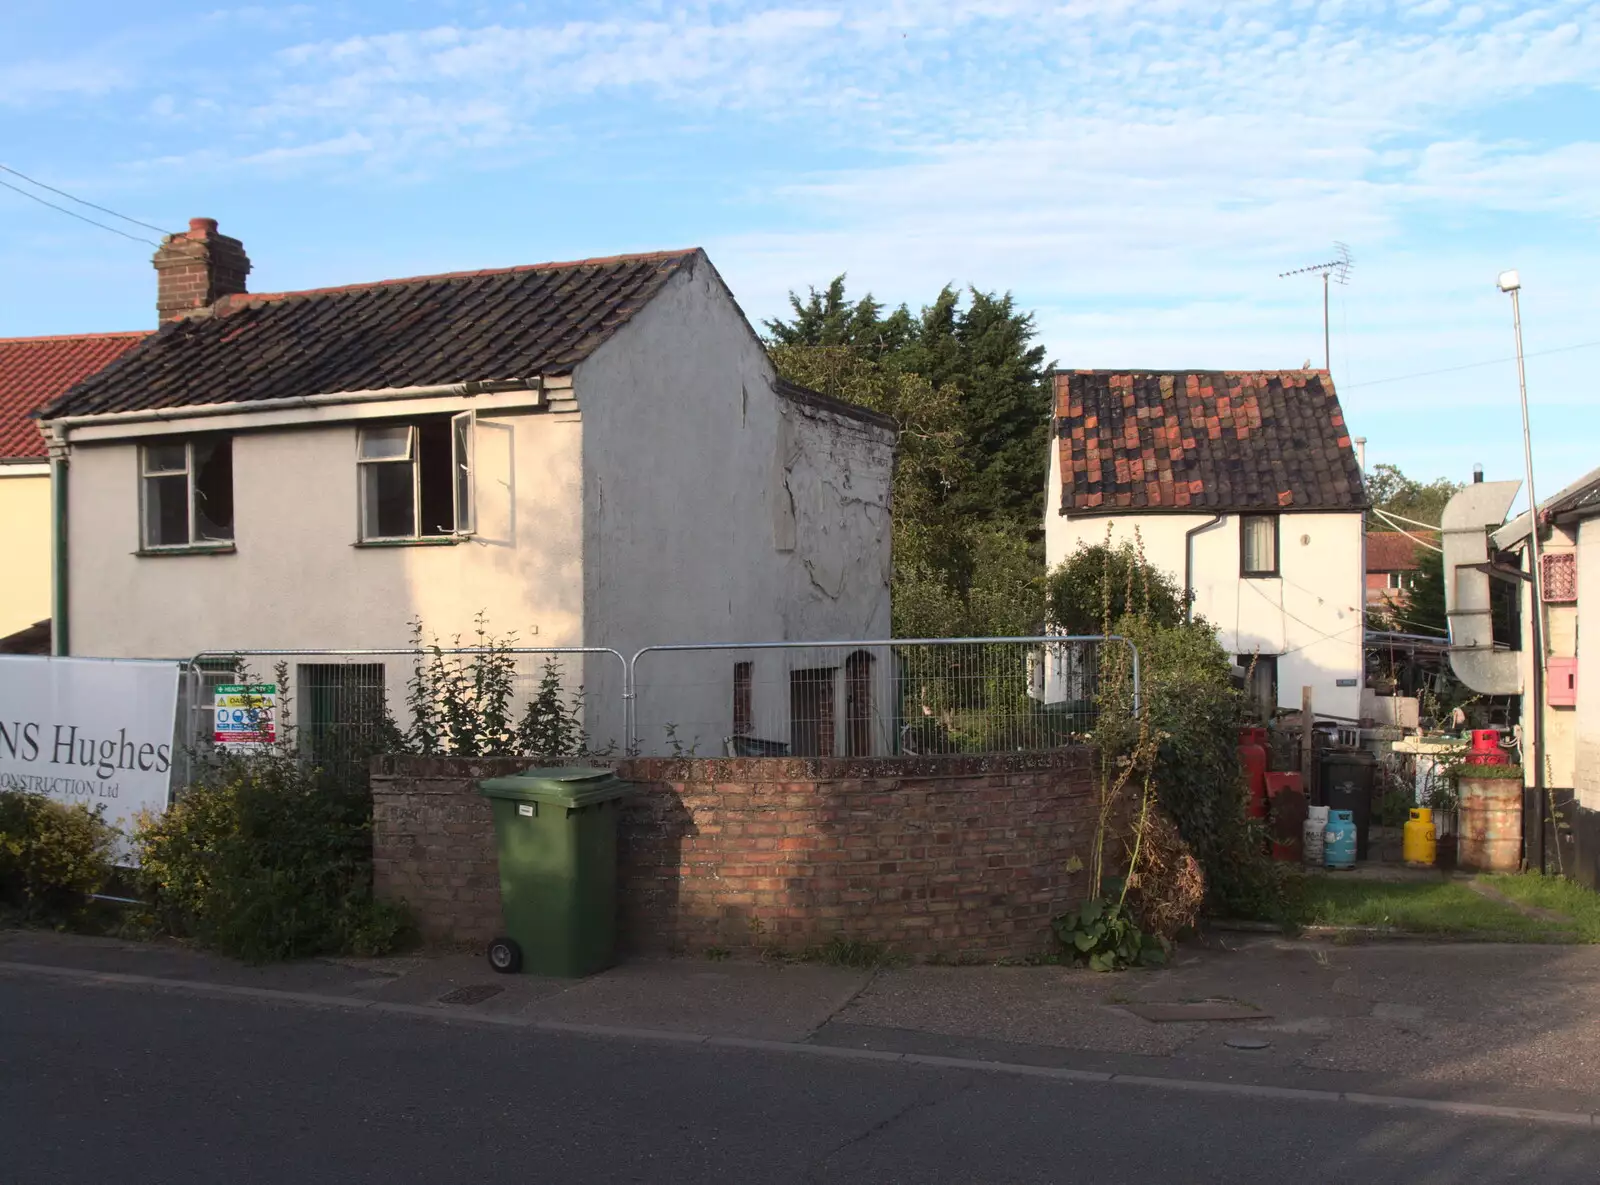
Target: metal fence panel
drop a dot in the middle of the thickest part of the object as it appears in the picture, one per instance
(867, 698)
(343, 706)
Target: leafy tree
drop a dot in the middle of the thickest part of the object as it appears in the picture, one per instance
(827, 318)
(1102, 582)
(1393, 491)
(984, 352)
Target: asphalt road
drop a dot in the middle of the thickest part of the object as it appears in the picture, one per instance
(123, 1087)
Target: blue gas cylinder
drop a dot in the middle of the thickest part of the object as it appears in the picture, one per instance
(1339, 840)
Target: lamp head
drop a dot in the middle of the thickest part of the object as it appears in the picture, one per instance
(1510, 281)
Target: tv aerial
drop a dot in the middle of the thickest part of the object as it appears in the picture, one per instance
(1337, 269)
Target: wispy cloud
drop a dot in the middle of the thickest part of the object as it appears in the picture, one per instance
(1137, 170)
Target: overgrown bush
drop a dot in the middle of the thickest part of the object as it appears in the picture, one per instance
(262, 858)
(1168, 889)
(463, 705)
(52, 856)
(1187, 729)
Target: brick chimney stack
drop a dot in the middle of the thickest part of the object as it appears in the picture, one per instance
(196, 268)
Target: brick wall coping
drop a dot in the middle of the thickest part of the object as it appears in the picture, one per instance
(741, 769)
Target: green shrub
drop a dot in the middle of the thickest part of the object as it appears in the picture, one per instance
(52, 856)
(1104, 934)
(1188, 734)
(264, 859)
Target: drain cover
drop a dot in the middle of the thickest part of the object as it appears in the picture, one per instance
(473, 993)
(1246, 1043)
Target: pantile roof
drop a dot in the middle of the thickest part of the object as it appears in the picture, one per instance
(1390, 551)
(484, 326)
(1203, 441)
(35, 370)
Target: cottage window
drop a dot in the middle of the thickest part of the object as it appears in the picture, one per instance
(416, 479)
(186, 490)
(1258, 545)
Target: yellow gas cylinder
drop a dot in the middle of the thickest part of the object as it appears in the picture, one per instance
(1420, 848)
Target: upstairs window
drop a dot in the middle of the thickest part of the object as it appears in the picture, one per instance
(416, 479)
(186, 492)
(1258, 545)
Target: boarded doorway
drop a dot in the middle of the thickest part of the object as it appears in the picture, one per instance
(858, 704)
(811, 712)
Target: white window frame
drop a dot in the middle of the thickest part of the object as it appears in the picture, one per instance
(463, 473)
(146, 474)
(463, 434)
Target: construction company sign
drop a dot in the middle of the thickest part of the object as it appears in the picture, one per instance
(95, 731)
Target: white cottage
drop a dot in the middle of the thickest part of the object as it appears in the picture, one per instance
(1244, 487)
(595, 453)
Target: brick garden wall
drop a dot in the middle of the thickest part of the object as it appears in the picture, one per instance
(931, 857)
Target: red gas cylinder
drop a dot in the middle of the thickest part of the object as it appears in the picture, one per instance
(1485, 748)
(1253, 757)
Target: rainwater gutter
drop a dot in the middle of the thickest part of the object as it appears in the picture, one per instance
(64, 424)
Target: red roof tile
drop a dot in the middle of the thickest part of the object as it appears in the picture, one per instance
(1390, 551)
(35, 370)
(1236, 441)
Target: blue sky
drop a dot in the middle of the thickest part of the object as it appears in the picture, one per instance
(1136, 173)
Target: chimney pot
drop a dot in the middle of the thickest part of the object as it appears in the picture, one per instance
(196, 269)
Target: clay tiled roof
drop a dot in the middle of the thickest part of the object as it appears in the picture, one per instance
(1203, 441)
(35, 370)
(465, 327)
(1390, 551)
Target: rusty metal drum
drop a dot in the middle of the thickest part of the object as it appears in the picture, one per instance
(1489, 825)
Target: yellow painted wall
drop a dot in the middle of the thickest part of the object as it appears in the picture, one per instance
(24, 550)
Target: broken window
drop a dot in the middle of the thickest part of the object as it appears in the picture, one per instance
(416, 479)
(186, 487)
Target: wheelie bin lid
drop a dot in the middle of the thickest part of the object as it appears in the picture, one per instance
(562, 786)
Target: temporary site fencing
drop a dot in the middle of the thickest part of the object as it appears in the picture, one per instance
(805, 699)
(867, 698)
(343, 706)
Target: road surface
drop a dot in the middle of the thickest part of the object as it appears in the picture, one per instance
(122, 1086)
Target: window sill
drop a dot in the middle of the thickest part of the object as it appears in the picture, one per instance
(1260, 576)
(190, 549)
(425, 541)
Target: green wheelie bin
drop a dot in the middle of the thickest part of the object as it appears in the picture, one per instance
(557, 834)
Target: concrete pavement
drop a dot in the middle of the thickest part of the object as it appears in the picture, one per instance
(171, 1087)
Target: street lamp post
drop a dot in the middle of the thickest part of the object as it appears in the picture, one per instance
(1511, 283)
